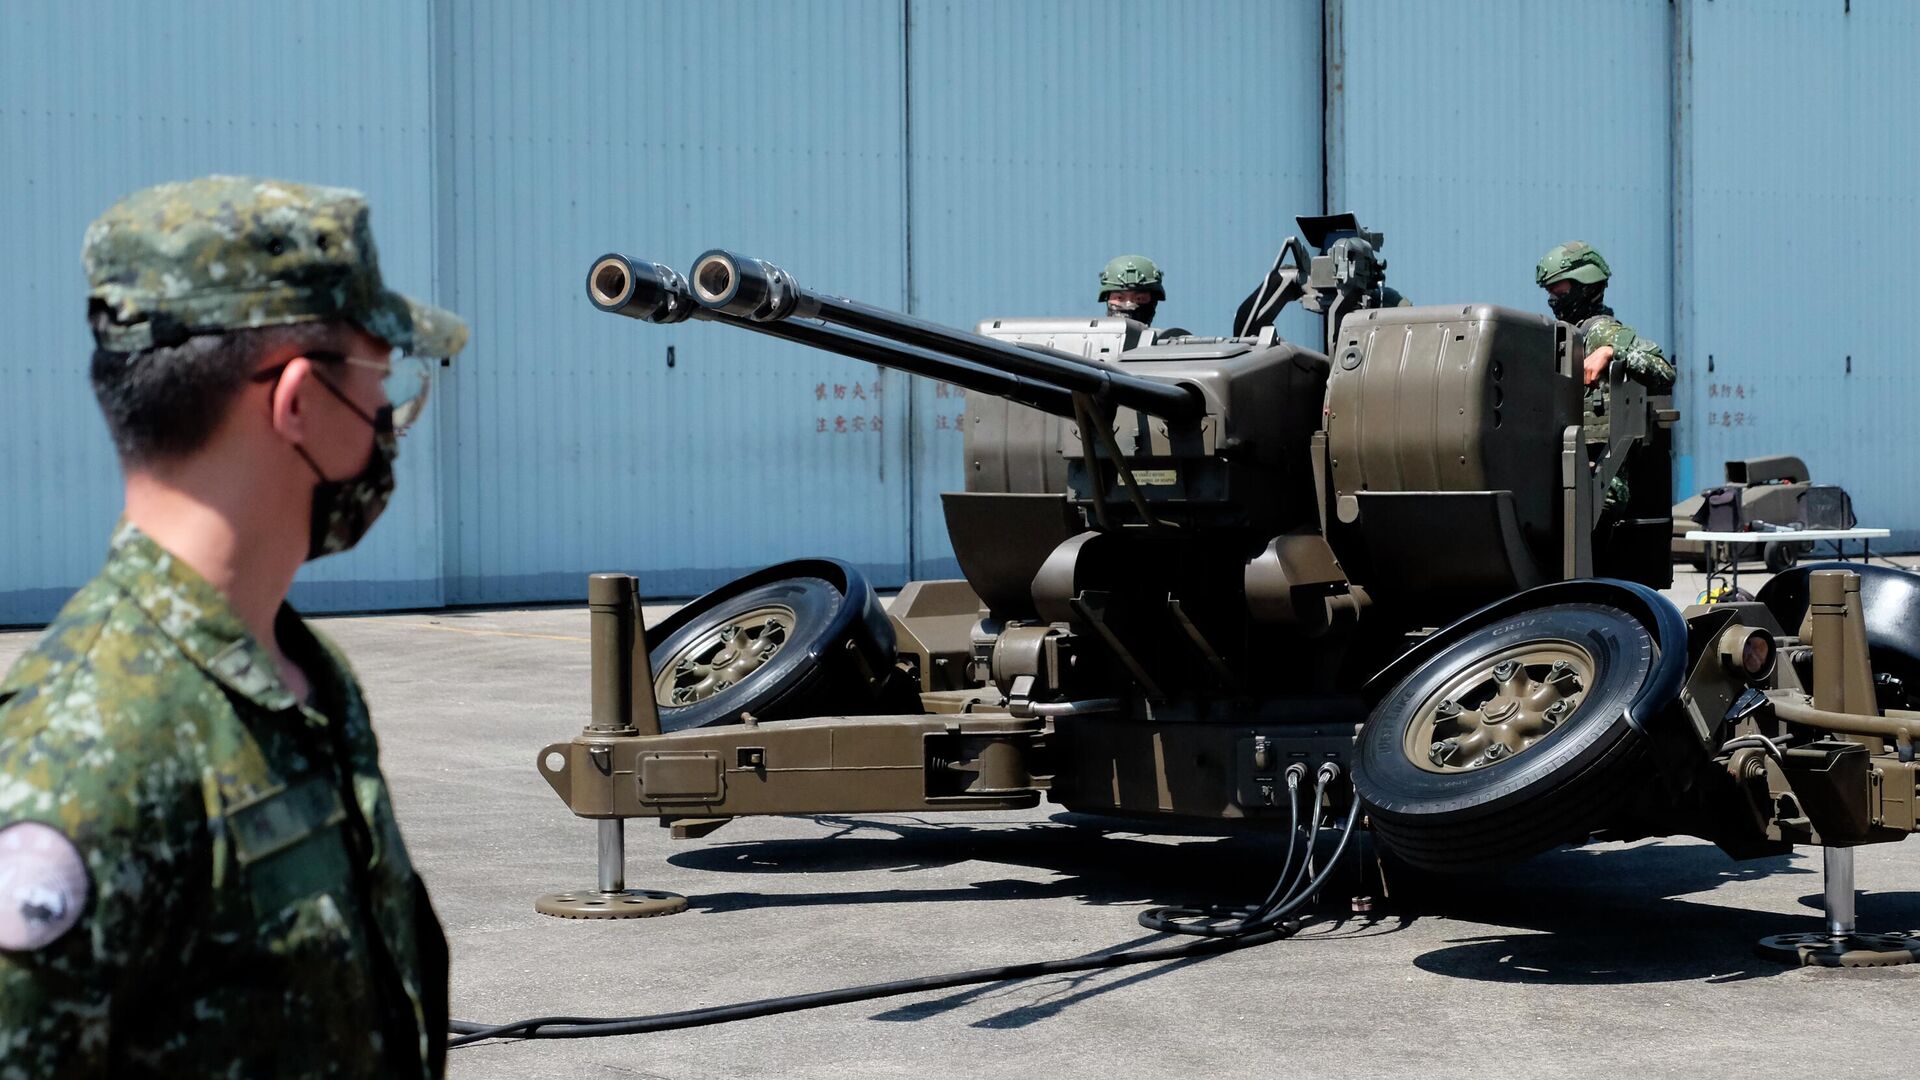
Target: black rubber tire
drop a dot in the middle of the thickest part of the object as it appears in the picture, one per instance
(809, 676)
(1559, 790)
(1779, 558)
(1891, 598)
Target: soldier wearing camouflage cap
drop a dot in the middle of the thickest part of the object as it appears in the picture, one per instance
(200, 871)
(1575, 277)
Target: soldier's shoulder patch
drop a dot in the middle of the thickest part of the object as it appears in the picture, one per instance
(43, 886)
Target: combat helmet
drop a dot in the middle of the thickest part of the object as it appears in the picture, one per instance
(1132, 272)
(1571, 261)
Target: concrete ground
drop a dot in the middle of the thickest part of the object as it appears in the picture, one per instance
(1609, 960)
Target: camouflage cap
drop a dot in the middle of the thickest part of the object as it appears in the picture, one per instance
(233, 253)
(1571, 261)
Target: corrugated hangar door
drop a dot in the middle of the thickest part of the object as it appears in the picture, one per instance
(1799, 214)
(1476, 143)
(1033, 159)
(578, 441)
(102, 98)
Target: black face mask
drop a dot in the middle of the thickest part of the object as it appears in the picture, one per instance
(1140, 313)
(343, 510)
(1578, 304)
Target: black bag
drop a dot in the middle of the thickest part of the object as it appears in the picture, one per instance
(1719, 510)
(1826, 506)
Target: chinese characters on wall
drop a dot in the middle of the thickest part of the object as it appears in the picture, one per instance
(1730, 405)
(855, 408)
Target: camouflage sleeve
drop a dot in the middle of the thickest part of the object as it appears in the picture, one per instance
(1645, 362)
(122, 784)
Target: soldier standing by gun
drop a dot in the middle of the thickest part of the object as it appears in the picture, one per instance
(200, 871)
(1575, 277)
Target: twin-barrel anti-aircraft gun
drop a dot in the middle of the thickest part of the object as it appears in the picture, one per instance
(1240, 578)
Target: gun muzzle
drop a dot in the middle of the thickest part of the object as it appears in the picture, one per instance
(751, 289)
(648, 291)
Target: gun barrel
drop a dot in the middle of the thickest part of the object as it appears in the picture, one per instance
(656, 293)
(762, 294)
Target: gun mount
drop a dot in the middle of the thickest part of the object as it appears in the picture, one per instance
(1191, 563)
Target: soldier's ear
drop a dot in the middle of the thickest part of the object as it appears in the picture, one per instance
(288, 414)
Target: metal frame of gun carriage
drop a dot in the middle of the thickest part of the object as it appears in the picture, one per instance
(1198, 569)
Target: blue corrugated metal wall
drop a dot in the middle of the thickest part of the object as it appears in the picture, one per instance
(1476, 143)
(1046, 139)
(963, 160)
(98, 98)
(660, 131)
(1801, 211)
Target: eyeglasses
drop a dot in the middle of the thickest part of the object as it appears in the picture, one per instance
(405, 380)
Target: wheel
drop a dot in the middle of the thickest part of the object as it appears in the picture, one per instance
(1510, 740)
(1891, 599)
(1780, 558)
(800, 639)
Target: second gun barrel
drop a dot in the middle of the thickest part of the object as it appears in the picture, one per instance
(761, 293)
(653, 292)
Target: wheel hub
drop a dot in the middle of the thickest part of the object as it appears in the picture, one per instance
(1499, 706)
(723, 656)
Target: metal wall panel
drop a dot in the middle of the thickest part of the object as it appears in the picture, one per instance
(1477, 136)
(962, 161)
(98, 98)
(1046, 139)
(662, 130)
(1802, 212)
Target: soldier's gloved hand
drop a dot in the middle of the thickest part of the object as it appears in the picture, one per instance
(1596, 365)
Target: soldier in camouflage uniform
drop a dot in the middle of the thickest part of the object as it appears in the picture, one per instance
(200, 871)
(1575, 277)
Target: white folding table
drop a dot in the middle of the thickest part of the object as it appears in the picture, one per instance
(1727, 563)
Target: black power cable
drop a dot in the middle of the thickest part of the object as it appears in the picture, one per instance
(1242, 928)
(1287, 895)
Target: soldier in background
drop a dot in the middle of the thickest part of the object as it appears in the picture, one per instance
(1575, 277)
(1131, 287)
(200, 871)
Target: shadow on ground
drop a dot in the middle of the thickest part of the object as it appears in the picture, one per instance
(1581, 916)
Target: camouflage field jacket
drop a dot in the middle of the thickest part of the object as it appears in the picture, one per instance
(1645, 362)
(250, 909)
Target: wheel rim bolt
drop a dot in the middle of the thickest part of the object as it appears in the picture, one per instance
(1506, 671)
(1447, 709)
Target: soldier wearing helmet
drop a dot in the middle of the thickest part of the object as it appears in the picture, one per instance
(1131, 287)
(1575, 277)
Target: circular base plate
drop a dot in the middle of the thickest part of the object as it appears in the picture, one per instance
(1857, 950)
(625, 904)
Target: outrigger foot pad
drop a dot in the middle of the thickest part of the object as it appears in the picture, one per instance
(1845, 950)
(623, 904)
